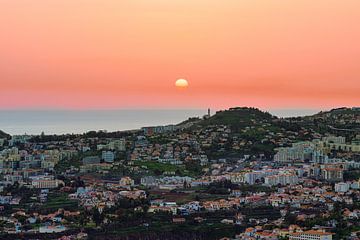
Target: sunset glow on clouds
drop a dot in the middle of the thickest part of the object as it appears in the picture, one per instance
(129, 53)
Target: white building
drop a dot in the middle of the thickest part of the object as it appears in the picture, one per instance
(45, 182)
(334, 139)
(342, 187)
(310, 235)
(52, 229)
(258, 176)
(108, 156)
(117, 145)
(282, 179)
(298, 152)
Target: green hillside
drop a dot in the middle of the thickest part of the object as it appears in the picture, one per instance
(238, 117)
(254, 131)
(339, 121)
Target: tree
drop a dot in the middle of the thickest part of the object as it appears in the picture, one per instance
(290, 219)
(97, 217)
(82, 219)
(157, 172)
(145, 209)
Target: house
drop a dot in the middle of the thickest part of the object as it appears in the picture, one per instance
(52, 229)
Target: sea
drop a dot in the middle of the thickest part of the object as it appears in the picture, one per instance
(34, 122)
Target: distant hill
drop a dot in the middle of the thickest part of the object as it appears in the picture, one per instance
(238, 117)
(254, 131)
(340, 121)
(250, 132)
(4, 135)
(339, 113)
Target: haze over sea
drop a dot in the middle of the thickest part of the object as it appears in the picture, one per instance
(80, 121)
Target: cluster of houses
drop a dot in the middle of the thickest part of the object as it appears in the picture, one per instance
(302, 176)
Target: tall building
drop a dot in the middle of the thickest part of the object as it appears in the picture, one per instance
(298, 152)
(282, 179)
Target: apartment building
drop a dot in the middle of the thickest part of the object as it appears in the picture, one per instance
(310, 235)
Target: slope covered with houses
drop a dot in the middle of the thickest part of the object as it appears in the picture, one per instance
(239, 174)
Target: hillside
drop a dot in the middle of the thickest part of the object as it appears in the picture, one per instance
(339, 121)
(326, 121)
(254, 131)
(4, 135)
(189, 122)
(343, 115)
(250, 121)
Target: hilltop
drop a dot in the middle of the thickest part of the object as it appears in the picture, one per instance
(238, 117)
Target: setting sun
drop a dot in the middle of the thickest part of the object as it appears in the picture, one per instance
(181, 83)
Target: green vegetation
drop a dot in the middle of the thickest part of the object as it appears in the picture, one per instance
(238, 118)
(223, 187)
(58, 200)
(340, 121)
(64, 165)
(342, 229)
(351, 175)
(75, 161)
(161, 227)
(157, 168)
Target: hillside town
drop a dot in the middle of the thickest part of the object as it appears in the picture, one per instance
(237, 174)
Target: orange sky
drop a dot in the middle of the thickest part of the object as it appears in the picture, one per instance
(128, 53)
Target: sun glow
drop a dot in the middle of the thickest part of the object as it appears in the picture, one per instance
(181, 83)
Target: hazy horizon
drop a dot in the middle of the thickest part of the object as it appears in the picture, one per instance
(63, 121)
